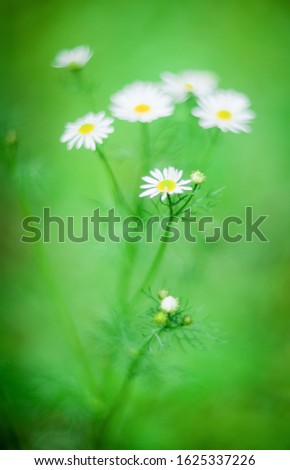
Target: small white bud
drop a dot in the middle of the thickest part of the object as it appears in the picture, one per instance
(197, 177)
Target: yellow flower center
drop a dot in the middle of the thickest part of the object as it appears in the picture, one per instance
(142, 108)
(86, 128)
(224, 114)
(74, 65)
(166, 186)
(188, 86)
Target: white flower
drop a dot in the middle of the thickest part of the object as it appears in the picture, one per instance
(141, 101)
(170, 304)
(190, 82)
(197, 177)
(166, 182)
(227, 110)
(73, 59)
(87, 131)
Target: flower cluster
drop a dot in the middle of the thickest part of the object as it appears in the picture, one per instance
(145, 102)
(170, 314)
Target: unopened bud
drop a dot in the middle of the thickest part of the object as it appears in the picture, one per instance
(160, 318)
(197, 177)
(163, 293)
(187, 320)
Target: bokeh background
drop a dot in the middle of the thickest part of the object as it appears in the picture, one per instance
(64, 347)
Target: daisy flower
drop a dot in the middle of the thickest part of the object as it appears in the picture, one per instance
(180, 86)
(170, 304)
(167, 182)
(141, 101)
(87, 131)
(73, 59)
(227, 110)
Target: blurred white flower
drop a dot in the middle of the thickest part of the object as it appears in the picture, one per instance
(170, 304)
(227, 110)
(141, 101)
(190, 82)
(73, 59)
(87, 131)
(197, 177)
(166, 182)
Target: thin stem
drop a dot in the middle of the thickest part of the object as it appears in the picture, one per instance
(182, 208)
(118, 193)
(170, 206)
(160, 252)
(123, 392)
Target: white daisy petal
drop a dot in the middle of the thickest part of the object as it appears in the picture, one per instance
(157, 174)
(148, 179)
(148, 192)
(148, 186)
(184, 182)
(72, 142)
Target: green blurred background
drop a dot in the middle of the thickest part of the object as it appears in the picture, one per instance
(64, 348)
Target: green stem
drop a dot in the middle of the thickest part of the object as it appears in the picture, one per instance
(118, 193)
(123, 392)
(160, 252)
(182, 208)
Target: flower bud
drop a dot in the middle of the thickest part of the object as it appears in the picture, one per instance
(160, 318)
(197, 177)
(187, 320)
(170, 304)
(163, 293)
